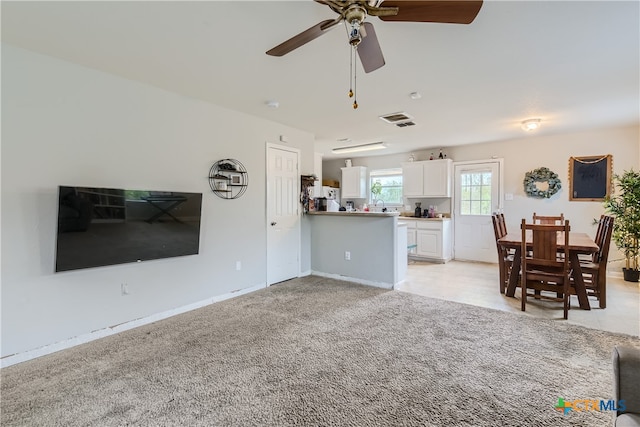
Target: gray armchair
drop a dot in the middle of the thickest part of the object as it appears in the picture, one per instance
(626, 385)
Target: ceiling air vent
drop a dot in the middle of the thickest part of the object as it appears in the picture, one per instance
(405, 124)
(395, 118)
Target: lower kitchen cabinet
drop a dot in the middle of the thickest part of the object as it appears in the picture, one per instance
(433, 240)
(411, 237)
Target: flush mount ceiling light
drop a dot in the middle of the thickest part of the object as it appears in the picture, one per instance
(415, 95)
(357, 148)
(272, 104)
(530, 124)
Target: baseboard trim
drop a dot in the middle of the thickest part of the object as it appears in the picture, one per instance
(353, 279)
(112, 330)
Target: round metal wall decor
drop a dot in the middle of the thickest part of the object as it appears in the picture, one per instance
(228, 179)
(541, 175)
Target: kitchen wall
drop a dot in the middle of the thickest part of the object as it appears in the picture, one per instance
(525, 154)
(64, 124)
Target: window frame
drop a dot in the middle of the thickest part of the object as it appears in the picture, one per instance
(479, 189)
(386, 172)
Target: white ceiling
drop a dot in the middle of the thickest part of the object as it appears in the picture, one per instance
(574, 64)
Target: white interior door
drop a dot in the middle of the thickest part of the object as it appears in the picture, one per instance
(283, 220)
(477, 196)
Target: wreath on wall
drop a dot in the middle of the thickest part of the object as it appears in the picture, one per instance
(541, 175)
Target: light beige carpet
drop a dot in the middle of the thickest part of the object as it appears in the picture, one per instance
(317, 351)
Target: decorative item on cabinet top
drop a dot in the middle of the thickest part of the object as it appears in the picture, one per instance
(228, 178)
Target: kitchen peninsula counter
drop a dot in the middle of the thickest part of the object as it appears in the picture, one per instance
(356, 213)
(364, 247)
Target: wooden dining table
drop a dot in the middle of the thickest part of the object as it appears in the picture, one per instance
(579, 243)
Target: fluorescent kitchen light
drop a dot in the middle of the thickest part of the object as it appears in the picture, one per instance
(357, 148)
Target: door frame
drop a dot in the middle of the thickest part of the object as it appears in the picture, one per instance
(454, 189)
(268, 146)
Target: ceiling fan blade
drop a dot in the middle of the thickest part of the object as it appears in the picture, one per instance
(304, 37)
(369, 50)
(447, 11)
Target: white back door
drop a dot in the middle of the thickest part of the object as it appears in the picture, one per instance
(283, 219)
(477, 196)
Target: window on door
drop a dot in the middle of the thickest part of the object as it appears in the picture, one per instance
(475, 193)
(388, 182)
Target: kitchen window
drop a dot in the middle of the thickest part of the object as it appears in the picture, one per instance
(389, 184)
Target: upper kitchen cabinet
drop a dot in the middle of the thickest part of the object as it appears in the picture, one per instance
(412, 179)
(354, 183)
(431, 178)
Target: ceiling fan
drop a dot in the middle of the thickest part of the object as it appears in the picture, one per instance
(362, 34)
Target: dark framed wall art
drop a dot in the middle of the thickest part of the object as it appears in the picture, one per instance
(590, 178)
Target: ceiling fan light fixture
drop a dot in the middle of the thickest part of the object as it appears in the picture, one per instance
(530, 125)
(358, 148)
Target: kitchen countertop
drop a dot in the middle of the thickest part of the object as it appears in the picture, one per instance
(359, 213)
(411, 218)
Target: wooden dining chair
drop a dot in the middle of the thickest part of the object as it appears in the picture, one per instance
(502, 223)
(505, 256)
(596, 239)
(546, 219)
(545, 267)
(594, 271)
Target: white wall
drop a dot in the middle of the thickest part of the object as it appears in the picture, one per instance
(63, 124)
(554, 152)
(528, 153)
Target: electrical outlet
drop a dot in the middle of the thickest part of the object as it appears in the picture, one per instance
(238, 266)
(124, 289)
(347, 255)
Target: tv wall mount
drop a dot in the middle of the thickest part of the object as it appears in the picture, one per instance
(228, 179)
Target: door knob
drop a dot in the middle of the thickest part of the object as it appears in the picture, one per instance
(273, 223)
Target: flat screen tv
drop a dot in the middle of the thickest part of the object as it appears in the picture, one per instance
(106, 226)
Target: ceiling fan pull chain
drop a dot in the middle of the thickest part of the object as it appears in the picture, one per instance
(355, 83)
(350, 74)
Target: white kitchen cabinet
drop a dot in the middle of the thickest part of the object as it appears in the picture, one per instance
(431, 178)
(354, 183)
(429, 243)
(411, 237)
(437, 178)
(412, 177)
(434, 240)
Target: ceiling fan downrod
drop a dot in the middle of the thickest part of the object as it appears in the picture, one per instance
(353, 18)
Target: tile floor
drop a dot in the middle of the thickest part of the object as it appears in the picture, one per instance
(477, 284)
